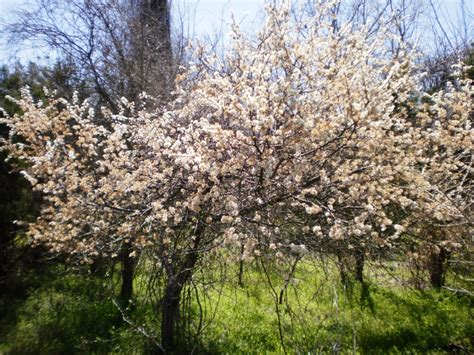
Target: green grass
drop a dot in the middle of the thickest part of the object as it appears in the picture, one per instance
(73, 314)
(67, 315)
(318, 315)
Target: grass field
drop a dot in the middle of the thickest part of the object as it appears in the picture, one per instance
(313, 314)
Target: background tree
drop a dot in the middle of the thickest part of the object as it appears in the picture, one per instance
(122, 47)
(17, 201)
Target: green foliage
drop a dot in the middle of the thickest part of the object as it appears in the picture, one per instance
(73, 313)
(470, 62)
(426, 321)
(320, 316)
(17, 201)
(63, 77)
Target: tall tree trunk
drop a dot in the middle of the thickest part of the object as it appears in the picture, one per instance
(127, 273)
(99, 267)
(177, 275)
(359, 256)
(342, 268)
(156, 15)
(154, 42)
(170, 313)
(437, 266)
(5, 255)
(241, 266)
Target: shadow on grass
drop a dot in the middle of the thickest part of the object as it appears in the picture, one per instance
(68, 315)
(422, 321)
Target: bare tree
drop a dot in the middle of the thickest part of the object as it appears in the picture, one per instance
(122, 47)
(452, 42)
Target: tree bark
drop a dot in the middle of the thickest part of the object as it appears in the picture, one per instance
(99, 267)
(342, 268)
(170, 313)
(178, 275)
(156, 15)
(241, 267)
(437, 268)
(128, 268)
(359, 265)
(152, 63)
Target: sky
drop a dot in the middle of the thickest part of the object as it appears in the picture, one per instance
(207, 18)
(209, 15)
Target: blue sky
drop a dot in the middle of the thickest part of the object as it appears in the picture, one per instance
(208, 17)
(208, 11)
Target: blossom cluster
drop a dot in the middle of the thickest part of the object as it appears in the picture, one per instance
(302, 137)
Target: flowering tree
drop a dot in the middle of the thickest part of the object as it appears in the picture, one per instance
(444, 152)
(303, 137)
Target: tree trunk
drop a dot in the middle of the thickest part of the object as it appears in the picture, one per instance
(359, 265)
(436, 267)
(156, 19)
(128, 267)
(178, 275)
(5, 253)
(170, 313)
(156, 15)
(99, 267)
(241, 267)
(342, 268)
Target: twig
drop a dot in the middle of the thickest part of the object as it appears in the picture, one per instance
(138, 329)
